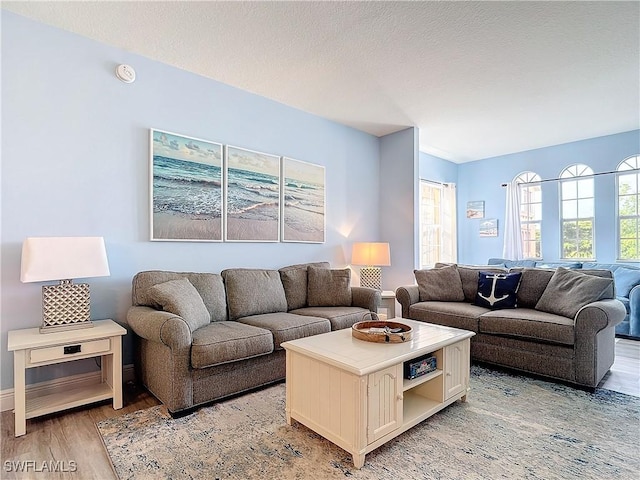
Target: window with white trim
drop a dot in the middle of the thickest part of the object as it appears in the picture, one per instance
(577, 212)
(437, 223)
(628, 180)
(530, 214)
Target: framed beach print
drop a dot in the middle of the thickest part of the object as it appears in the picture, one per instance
(475, 209)
(186, 188)
(303, 204)
(489, 227)
(252, 196)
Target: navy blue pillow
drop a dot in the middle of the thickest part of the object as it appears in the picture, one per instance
(497, 290)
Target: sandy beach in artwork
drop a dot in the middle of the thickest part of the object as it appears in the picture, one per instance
(292, 235)
(167, 226)
(252, 230)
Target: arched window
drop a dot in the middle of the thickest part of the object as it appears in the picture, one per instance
(530, 214)
(577, 207)
(628, 180)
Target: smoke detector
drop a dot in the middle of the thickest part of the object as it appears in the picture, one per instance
(126, 73)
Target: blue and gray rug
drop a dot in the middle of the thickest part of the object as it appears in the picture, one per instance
(511, 427)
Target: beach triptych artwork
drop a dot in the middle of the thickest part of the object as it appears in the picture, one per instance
(202, 191)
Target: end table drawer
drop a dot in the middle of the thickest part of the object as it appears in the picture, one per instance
(69, 351)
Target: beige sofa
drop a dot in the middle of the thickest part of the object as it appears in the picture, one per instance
(205, 336)
(549, 333)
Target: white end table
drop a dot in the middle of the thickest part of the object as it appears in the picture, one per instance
(34, 349)
(389, 303)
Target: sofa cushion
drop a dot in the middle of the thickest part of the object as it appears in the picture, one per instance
(497, 290)
(519, 263)
(440, 284)
(568, 291)
(223, 342)
(451, 314)
(294, 281)
(210, 286)
(288, 326)
(181, 298)
(532, 286)
(625, 279)
(253, 292)
(340, 317)
(528, 324)
(568, 265)
(328, 287)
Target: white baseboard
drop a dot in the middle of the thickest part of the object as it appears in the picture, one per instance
(61, 384)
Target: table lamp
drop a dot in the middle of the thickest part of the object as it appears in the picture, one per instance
(65, 306)
(373, 255)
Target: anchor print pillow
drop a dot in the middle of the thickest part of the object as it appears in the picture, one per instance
(497, 290)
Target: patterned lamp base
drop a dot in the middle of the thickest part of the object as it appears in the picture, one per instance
(65, 307)
(371, 277)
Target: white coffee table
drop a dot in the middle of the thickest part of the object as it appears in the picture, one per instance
(354, 393)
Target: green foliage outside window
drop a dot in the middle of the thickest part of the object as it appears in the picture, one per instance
(628, 209)
(577, 239)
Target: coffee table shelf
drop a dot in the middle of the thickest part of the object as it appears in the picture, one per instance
(408, 384)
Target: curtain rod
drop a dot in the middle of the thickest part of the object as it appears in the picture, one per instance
(573, 178)
(435, 182)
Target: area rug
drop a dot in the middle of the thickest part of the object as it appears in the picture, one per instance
(511, 427)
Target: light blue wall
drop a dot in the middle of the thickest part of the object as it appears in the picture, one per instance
(481, 180)
(75, 161)
(436, 169)
(399, 205)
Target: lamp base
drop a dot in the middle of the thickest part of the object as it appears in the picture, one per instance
(371, 277)
(62, 328)
(65, 306)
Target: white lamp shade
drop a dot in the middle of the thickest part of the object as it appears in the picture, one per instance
(371, 254)
(63, 258)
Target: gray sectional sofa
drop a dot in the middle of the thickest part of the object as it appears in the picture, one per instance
(204, 336)
(556, 329)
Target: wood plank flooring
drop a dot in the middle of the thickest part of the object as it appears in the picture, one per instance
(72, 435)
(624, 375)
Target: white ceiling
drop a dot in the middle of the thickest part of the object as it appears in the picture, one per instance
(479, 79)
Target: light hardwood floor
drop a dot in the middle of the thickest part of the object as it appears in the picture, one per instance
(72, 436)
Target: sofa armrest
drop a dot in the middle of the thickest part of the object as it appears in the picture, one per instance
(365, 297)
(407, 295)
(594, 344)
(634, 311)
(595, 316)
(161, 327)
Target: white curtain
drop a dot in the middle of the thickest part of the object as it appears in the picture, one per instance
(512, 249)
(449, 235)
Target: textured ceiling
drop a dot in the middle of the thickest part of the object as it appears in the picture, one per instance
(479, 79)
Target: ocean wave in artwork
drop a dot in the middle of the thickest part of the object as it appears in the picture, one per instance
(185, 188)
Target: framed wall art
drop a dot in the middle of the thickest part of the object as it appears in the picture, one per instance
(252, 196)
(303, 204)
(186, 188)
(475, 209)
(489, 227)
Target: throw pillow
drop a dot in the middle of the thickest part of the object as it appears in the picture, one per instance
(625, 279)
(294, 281)
(181, 298)
(440, 284)
(328, 287)
(253, 291)
(568, 291)
(497, 290)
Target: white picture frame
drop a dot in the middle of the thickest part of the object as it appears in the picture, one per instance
(185, 188)
(303, 202)
(251, 196)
